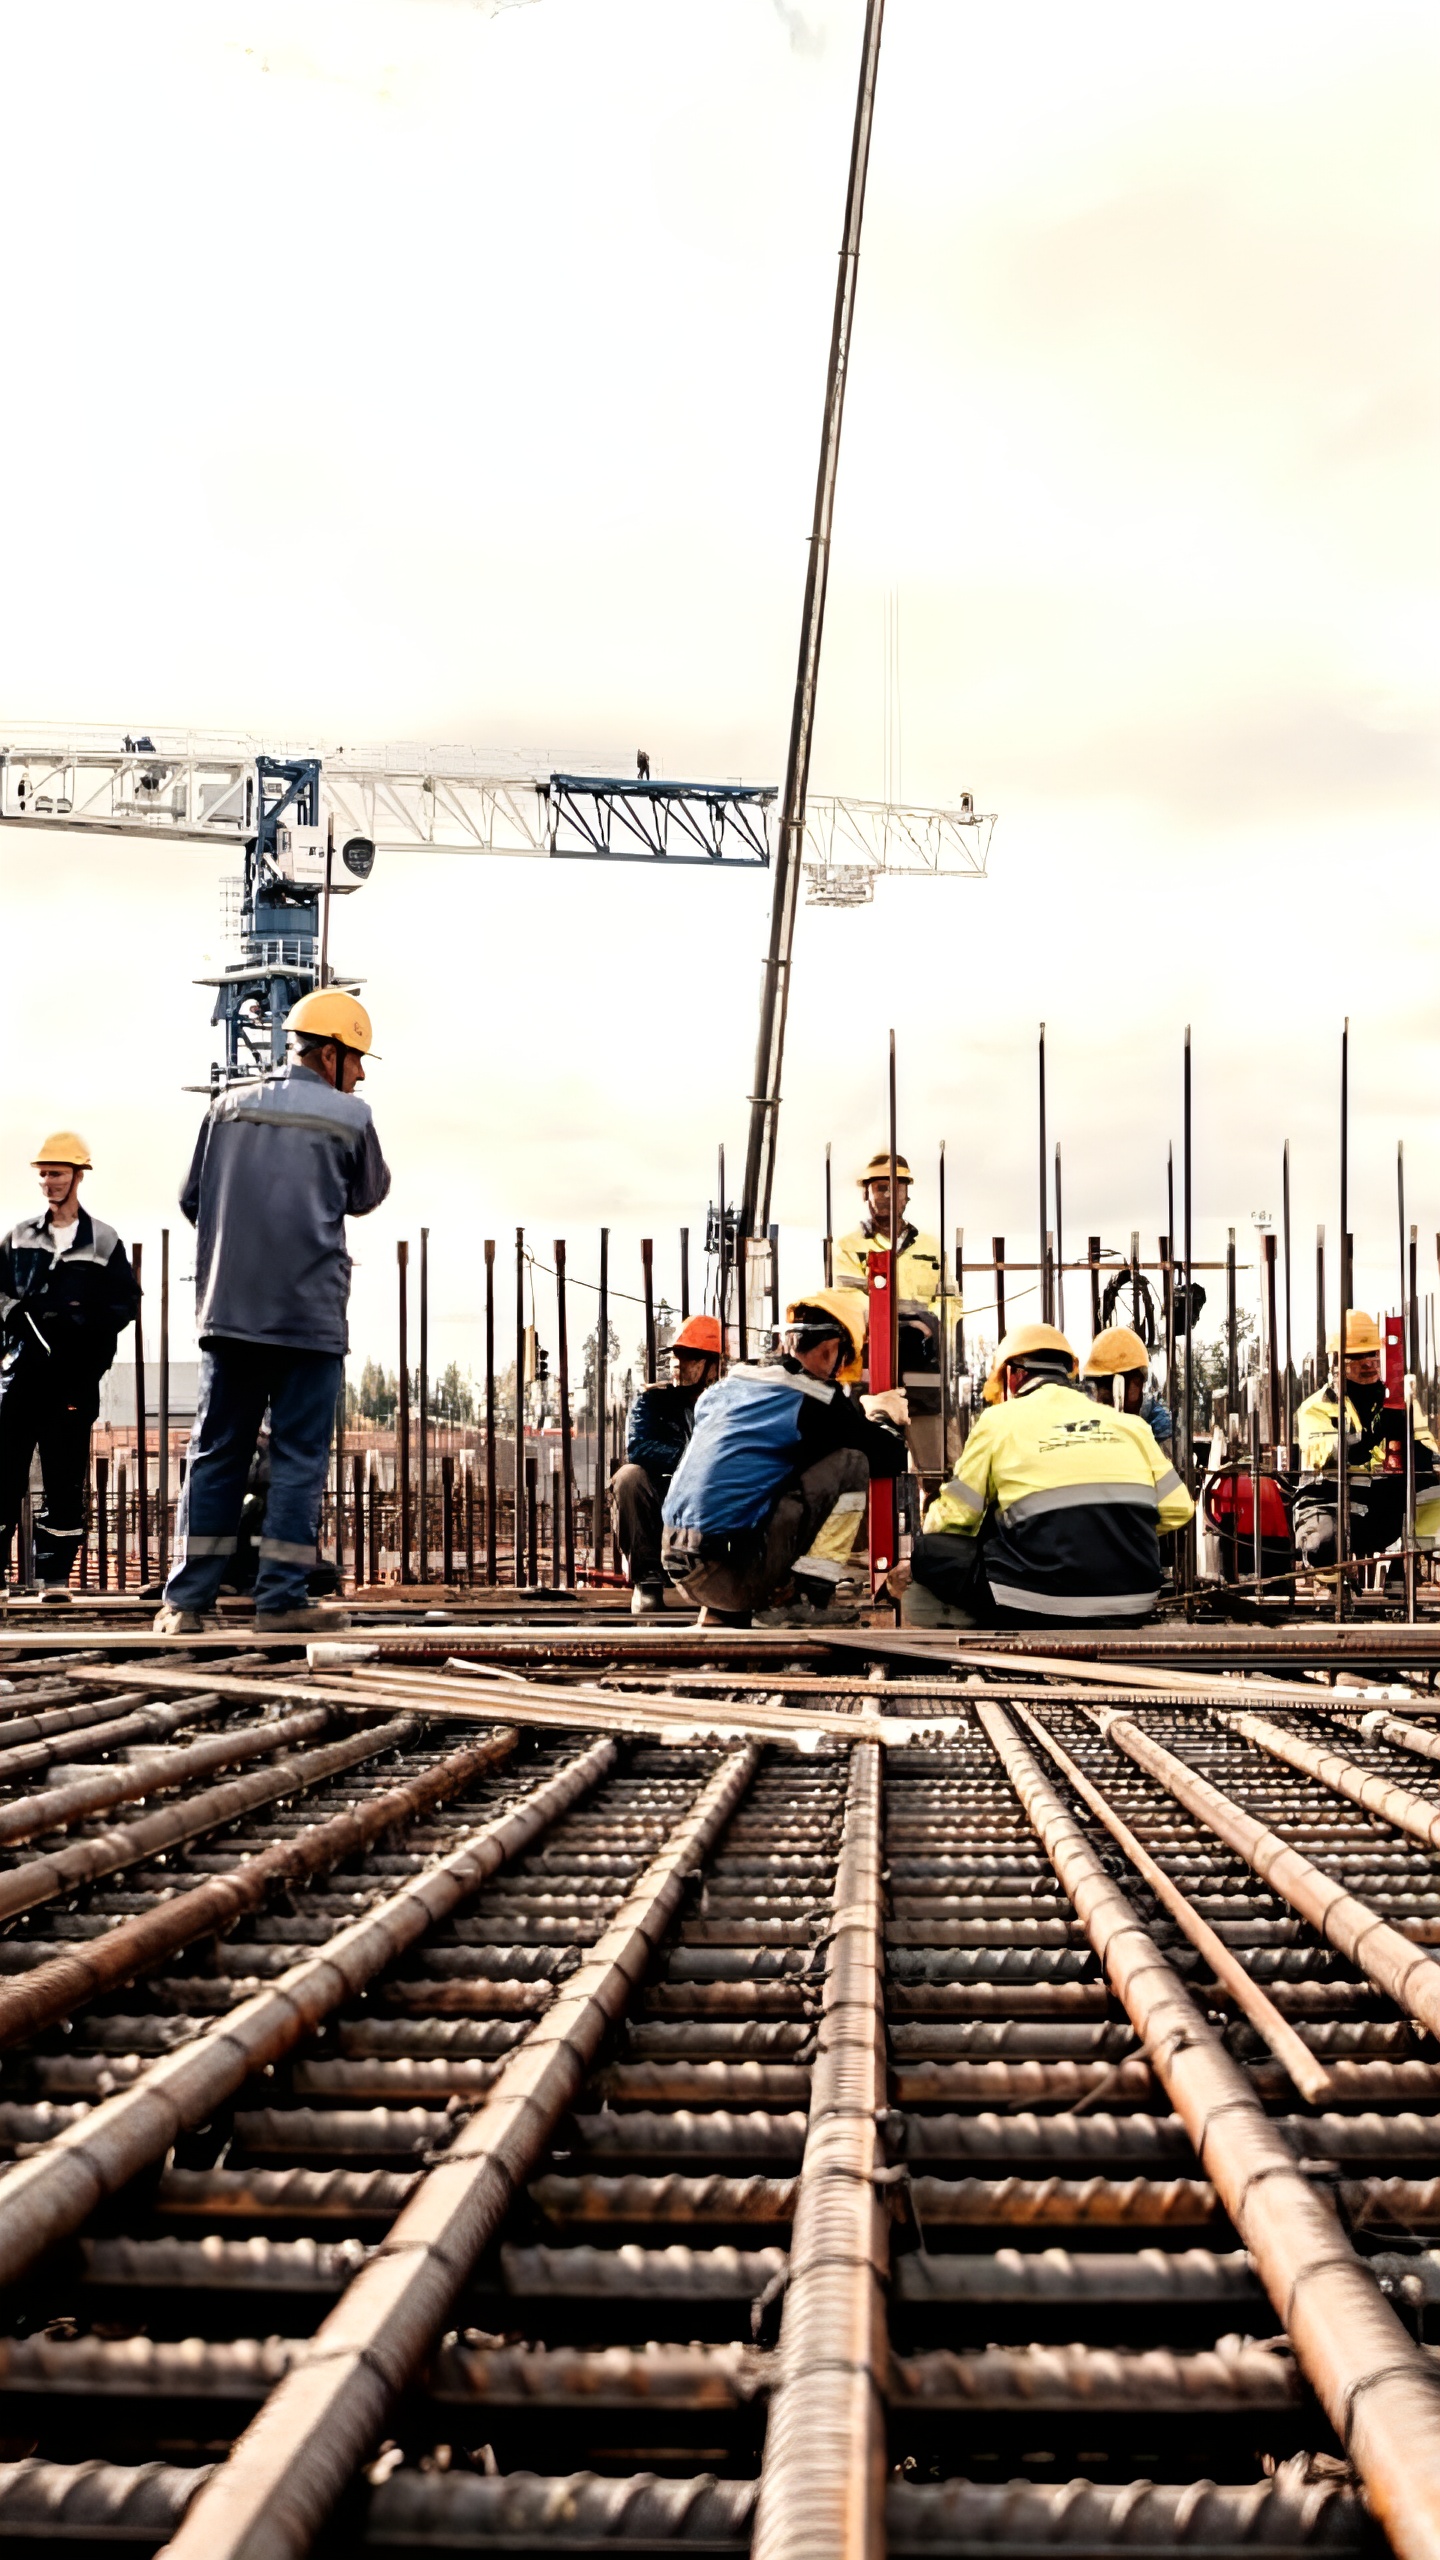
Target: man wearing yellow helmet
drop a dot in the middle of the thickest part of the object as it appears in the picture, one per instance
(767, 1501)
(1118, 1372)
(1375, 1513)
(67, 1293)
(1055, 1511)
(277, 1169)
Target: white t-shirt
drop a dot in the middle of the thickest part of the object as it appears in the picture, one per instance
(62, 1238)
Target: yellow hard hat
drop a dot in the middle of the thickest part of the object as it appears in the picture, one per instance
(1114, 1351)
(1020, 1340)
(63, 1146)
(327, 1014)
(878, 1169)
(850, 1309)
(1362, 1333)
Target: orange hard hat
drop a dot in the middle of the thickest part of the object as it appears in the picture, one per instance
(699, 1333)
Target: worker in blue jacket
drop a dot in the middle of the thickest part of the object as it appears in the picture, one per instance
(767, 1502)
(656, 1438)
(278, 1167)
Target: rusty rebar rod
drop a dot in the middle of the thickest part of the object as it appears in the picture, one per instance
(1376, 2385)
(148, 1773)
(822, 2486)
(293, 2462)
(53, 2192)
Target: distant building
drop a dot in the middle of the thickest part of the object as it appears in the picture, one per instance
(117, 1393)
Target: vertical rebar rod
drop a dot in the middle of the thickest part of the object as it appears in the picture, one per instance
(774, 1276)
(557, 1532)
(997, 1249)
(402, 1408)
(423, 1433)
(647, 1265)
(602, 1406)
(532, 1518)
(1092, 1256)
(790, 833)
(469, 1464)
(447, 1517)
(357, 1513)
(959, 1300)
(1046, 1314)
(372, 1517)
(492, 1500)
(122, 1525)
(723, 1282)
(567, 1454)
(163, 1453)
(1059, 1268)
(102, 1523)
(944, 1334)
(1187, 1545)
(1404, 1271)
(142, 1435)
(830, 1223)
(1232, 1328)
(1322, 1363)
(521, 1479)
(1257, 1550)
(684, 1273)
(1414, 1280)
(1289, 1413)
(1342, 1438)
(339, 1456)
(1272, 1332)
(894, 1230)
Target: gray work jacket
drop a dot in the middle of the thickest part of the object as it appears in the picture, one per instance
(277, 1169)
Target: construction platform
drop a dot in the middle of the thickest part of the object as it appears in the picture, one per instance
(512, 2078)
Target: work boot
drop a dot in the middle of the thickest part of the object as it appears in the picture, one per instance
(56, 1594)
(920, 1608)
(310, 1619)
(647, 1600)
(808, 1603)
(182, 1622)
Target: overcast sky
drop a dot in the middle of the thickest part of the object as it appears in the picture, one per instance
(409, 369)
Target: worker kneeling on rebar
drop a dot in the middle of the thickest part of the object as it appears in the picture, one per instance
(1055, 1512)
(767, 1502)
(656, 1439)
(278, 1167)
(1374, 1457)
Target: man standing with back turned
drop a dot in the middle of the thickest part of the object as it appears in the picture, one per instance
(278, 1167)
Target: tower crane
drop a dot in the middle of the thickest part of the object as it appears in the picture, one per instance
(308, 823)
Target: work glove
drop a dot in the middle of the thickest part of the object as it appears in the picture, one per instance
(891, 1405)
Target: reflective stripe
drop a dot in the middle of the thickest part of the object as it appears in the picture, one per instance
(194, 1545)
(1045, 1604)
(286, 1551)
(962, 1494)
(239, 1118)
(52, 1529)
(1168, 1483)
(1079, 1497)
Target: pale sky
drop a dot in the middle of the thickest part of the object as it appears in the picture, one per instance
(400, 369)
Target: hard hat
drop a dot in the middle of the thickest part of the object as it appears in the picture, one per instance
(328, 1014)
(1114, 1351)
(849, 1311)
(1362, 1333)
(1019, 1344)
(699, 1333)
(63, 1147)
(878, 1169)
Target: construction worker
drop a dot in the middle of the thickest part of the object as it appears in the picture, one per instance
(1118, 1373)
(1055, 1511)
(278, 1167)
(767, 1501)
(656, 1439)
(1375, 1512)
(67, 1292)
(917, 1274)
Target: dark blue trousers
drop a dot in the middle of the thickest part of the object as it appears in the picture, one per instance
(238, 1380)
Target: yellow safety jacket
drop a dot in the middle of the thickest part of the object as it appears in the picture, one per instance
(1317, 1433)
(1072, 1499)
(918, 1276)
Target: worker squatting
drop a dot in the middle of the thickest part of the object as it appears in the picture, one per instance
(745, 1487)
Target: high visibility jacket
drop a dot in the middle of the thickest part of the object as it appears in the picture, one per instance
(1072, 1499)
(918, 1276)
(1317, 1433)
